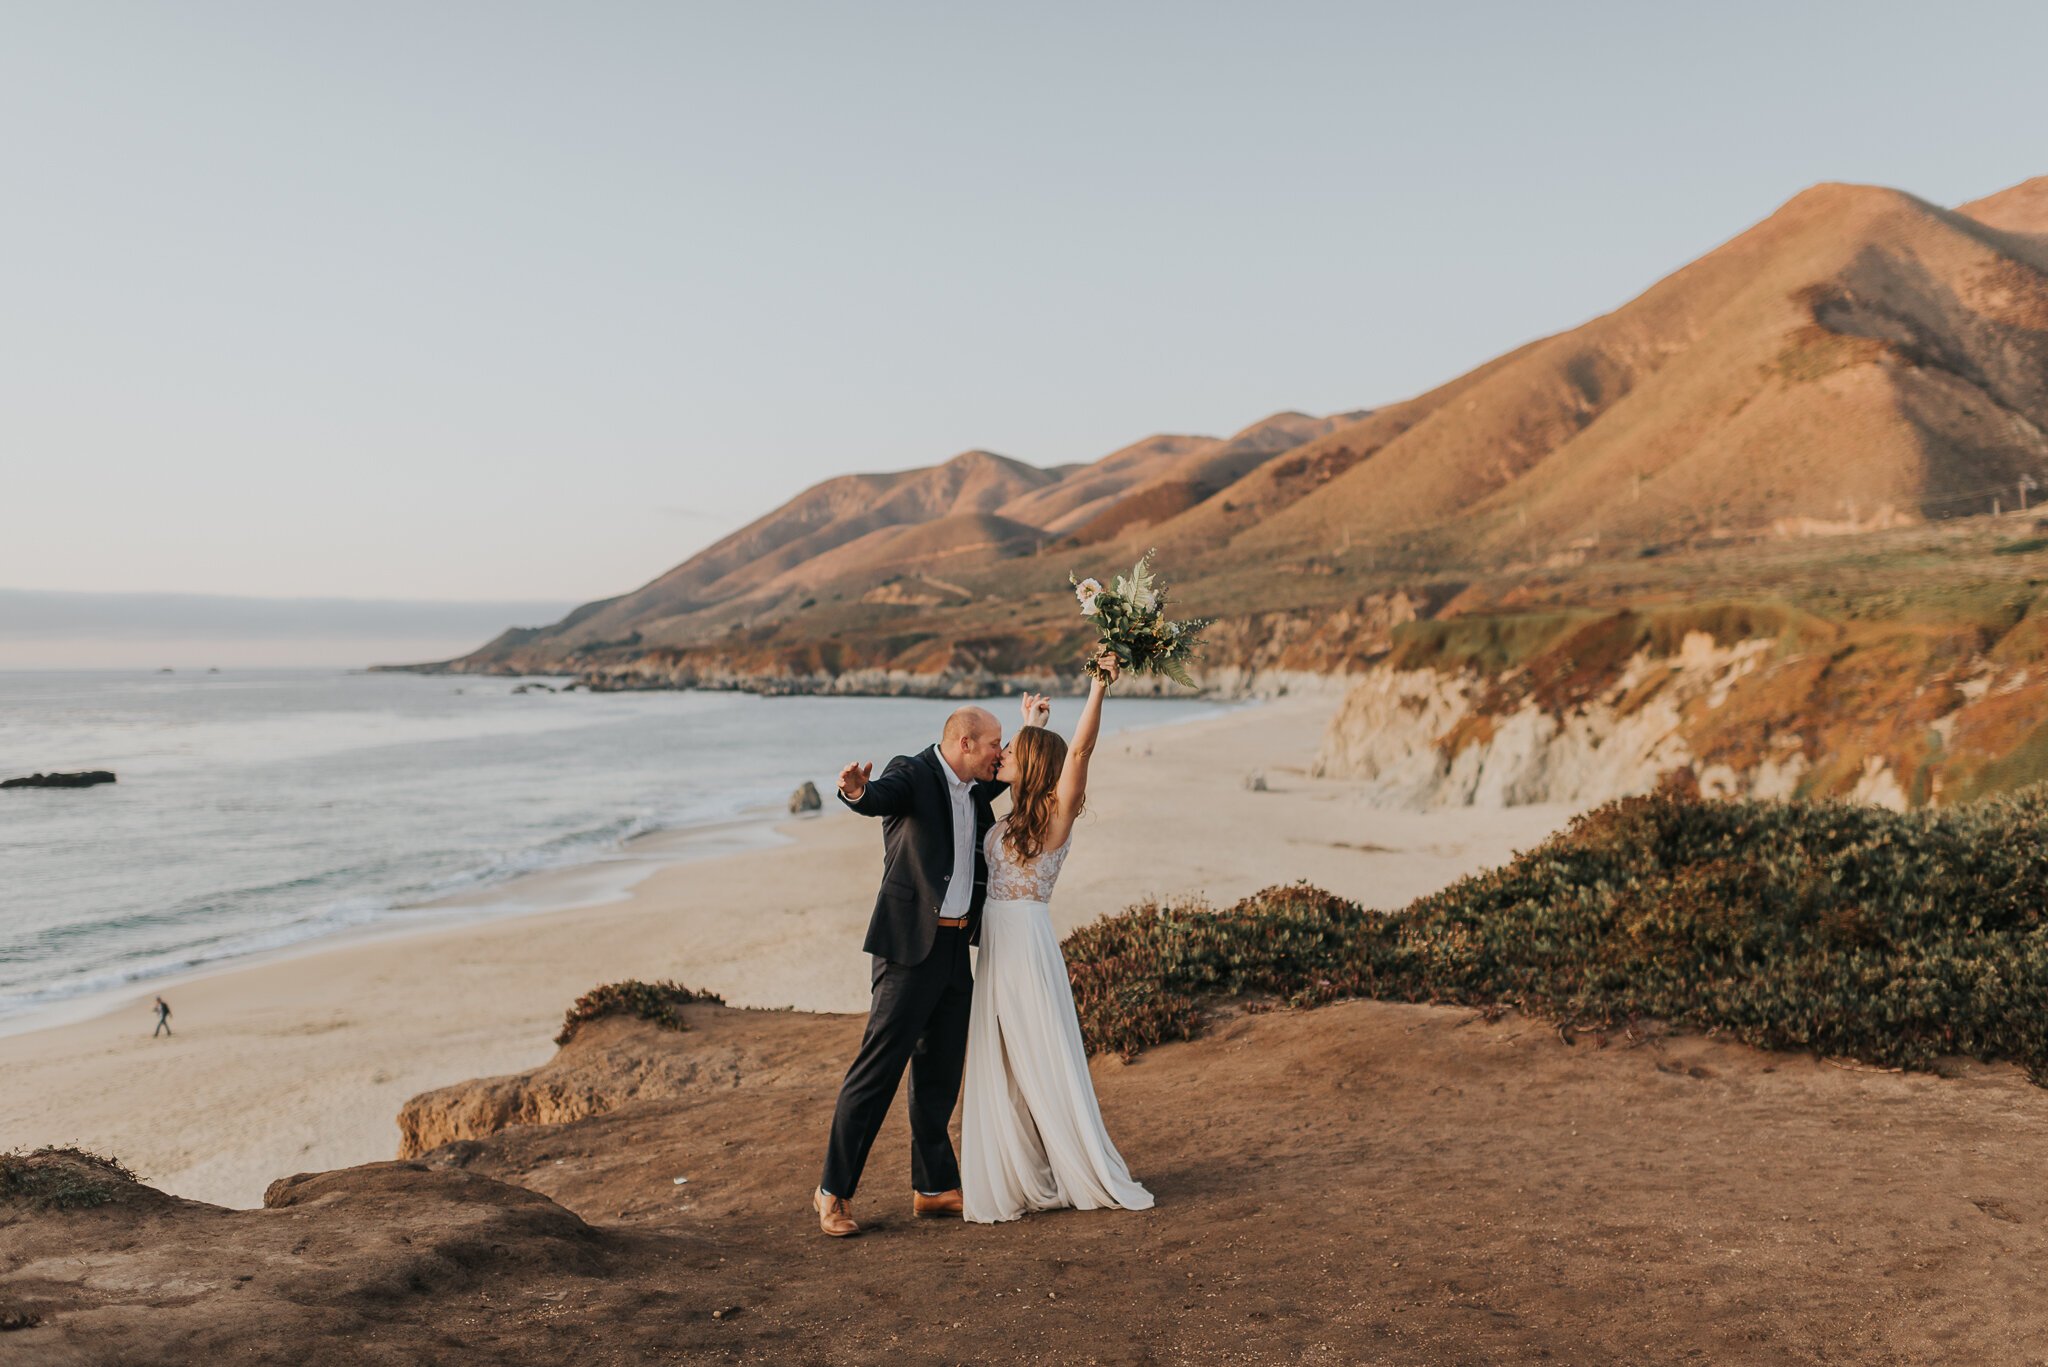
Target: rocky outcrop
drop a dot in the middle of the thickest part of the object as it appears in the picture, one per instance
(86, 778)
(614, 1060)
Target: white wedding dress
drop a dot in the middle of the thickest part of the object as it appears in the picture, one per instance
(1031, 1134)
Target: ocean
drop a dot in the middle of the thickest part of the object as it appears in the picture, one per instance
(260, 809)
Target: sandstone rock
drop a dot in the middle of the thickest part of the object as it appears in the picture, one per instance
(805, 799)
(616, 1059)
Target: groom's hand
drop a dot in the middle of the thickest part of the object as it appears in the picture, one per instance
(1037, 709)
(853, 780)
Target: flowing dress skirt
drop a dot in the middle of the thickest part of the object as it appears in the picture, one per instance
(1031, 1132)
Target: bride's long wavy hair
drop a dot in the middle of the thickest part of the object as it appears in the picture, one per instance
(1040, 754)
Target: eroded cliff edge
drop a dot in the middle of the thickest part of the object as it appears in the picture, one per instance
(1754, 700)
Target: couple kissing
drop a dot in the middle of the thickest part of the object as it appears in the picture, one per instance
(957, 881)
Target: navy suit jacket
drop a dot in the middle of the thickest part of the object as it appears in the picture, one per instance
(911, 797)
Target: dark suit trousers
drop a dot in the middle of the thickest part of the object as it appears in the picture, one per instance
(919, 1017)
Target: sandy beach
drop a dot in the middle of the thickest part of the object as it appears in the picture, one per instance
(301, 1063)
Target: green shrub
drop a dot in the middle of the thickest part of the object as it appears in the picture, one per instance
(1854, 931)
(2026, 547)
(660, 1002)
(60, 1178)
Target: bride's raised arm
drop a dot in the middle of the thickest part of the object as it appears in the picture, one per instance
(1073, 786)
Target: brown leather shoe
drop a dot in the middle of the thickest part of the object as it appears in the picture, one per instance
(834, 1216)
(935, 1207)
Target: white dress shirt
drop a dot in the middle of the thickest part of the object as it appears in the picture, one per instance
(959, 887)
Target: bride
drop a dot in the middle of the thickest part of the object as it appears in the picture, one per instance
(1031, 1133)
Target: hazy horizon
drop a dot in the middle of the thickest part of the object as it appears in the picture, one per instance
(66, 629)
(504, 302)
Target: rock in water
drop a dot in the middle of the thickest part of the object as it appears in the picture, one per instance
(84, 778)
(805, 799)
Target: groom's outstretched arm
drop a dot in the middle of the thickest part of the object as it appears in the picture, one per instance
(887, 794)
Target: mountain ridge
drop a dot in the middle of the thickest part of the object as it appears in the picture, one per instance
(1858, 360)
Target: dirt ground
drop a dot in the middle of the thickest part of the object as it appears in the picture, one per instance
(1364, 1183)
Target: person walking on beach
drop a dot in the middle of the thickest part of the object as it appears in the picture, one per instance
(163, 1018)
(935, 812)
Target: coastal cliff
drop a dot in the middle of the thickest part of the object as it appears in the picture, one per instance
(1894, 715)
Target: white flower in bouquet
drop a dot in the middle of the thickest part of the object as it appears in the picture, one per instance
(1130, 621)
(1086, 591)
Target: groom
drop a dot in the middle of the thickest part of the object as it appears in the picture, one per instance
(934, 807)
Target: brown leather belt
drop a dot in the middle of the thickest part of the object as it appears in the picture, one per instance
(953, 922)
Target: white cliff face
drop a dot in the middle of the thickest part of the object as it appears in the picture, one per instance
(1878, 786)
(1396, 729)
(1388, 727)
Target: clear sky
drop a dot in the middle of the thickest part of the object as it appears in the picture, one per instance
(504, 301)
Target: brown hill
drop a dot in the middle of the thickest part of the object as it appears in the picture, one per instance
(1306, 469)
(1191, 478)
(2023, 209)
(1088, 493)
(914, 547)
(821, 519)
(1861, 359)
(863, 533)
(1087, 489)
(1861, 355)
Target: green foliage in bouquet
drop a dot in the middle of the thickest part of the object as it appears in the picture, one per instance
(1130, 621)
(659, 1002)
(1893, 938)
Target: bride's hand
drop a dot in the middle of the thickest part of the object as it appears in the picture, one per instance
(1037, 709)
(1111, 667)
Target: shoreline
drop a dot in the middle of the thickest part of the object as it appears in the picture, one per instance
(602, 881)
(301, 1062)
(596, 877)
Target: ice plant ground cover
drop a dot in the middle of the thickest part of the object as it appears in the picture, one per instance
(659, 1002)
(1130, 621)
(1891, 938)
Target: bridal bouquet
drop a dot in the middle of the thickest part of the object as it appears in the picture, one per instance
(1131, 620)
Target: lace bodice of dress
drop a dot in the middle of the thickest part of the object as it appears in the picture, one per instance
(1029, 881)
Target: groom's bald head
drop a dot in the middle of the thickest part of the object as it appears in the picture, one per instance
(971, 721)
(973, 743)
